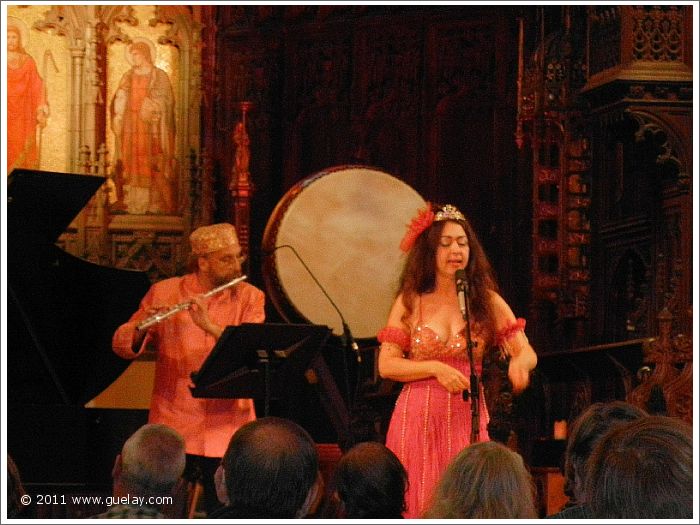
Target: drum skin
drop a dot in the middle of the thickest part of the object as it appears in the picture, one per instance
(341, 226)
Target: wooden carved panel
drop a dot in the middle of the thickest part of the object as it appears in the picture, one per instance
(157, 250)
(251, 74)
(605, 24)
(667, 381)
(461, 82)
(657, 33)
(317, 103)
(628, 294)
(387, 98)
(426, 93)
(643, 226)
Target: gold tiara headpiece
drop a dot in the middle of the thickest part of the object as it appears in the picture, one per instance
(424, 219)
(449, 212)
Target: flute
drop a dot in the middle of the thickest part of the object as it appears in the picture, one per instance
(157, 318)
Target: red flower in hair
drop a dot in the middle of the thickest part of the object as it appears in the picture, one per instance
(418, 225)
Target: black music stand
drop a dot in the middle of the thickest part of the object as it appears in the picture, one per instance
(255, 360)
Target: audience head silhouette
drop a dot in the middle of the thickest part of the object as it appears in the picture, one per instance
(151, 462)
(270, 470)
(147, 475)
(370, 482)
(486, 480)
(588, 428)
(643, 470)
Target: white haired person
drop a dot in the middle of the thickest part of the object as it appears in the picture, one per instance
(146, 474)
(184, 340)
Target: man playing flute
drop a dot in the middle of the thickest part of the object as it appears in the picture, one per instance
(184, 340)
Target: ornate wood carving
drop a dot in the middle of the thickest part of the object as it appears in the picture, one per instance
(632, 156)
(67, 21)
(679, 392)
(629, 294)
(672, 361)
(250, 72)
(643, 210)
(605, 24)
(241, 186)
(550, 121)
(626, 180)
(157, 249)
(317, 103)
(461, 84)
(643, 43)
(387, 98)
(201, 182)
(657, 33)
(111, 19)
(670, 159)
(357, 84)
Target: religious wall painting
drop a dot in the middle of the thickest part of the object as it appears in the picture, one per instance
(142, 111)
(36, 98)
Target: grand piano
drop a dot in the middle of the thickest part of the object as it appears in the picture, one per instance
(62, 312)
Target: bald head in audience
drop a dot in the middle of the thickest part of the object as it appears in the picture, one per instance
(270, 470)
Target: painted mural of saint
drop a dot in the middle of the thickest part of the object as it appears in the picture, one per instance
(27, 108)
(143, 122)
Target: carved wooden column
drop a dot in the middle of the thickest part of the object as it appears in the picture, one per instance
(550, 124)
(202, 204)
(241, 186)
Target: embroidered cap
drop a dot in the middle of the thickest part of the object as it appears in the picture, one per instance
(207, 239)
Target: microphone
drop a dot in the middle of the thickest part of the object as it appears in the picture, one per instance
(461, 282)
(348, 339)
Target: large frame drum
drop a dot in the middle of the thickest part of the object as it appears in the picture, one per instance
(345, 225)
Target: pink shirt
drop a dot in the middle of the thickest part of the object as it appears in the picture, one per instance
(181, 347)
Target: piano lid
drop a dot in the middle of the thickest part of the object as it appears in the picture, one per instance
(44, 203)
(62, 310)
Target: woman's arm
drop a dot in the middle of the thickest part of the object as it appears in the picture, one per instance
(510, 335)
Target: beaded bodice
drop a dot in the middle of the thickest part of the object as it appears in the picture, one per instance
(426, 344)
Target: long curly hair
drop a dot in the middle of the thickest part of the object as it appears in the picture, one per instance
(418, 275)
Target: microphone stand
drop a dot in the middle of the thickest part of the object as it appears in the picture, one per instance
(473, 392)
(348, 339)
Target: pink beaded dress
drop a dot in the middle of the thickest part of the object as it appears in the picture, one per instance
(429, 425)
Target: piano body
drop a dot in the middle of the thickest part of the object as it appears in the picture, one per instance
(62, 312)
